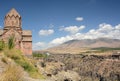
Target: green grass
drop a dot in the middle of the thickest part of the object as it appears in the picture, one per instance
(16, 55)
(100, 50)
(39, 55)
(11, 43)
(103, 49)
(24, 62)
(2, 45)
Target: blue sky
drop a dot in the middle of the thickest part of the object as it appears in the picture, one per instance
(56, 21)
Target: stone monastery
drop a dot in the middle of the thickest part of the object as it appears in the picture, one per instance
(13, 27)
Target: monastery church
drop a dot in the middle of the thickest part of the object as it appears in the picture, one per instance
(13, 27)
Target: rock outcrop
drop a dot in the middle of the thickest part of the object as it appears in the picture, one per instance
(85, 67)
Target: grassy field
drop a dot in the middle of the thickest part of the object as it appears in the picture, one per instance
(105, 49)
(101, 51)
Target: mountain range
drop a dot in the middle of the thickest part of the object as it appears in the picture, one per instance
(76, 46)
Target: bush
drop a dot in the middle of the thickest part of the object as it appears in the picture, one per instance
(2, 45)
(11, 42)
(39, 55)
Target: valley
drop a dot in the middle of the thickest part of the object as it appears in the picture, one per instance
(81, 60)
(80, 67)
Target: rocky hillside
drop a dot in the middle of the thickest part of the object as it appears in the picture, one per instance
(67, 67)
(93, 43)
(16, 67)
(77, 46)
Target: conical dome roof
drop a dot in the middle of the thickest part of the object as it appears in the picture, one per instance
(12, 19)
(13, 12)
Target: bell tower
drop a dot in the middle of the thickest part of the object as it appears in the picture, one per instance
(12, 20)
(12, 27)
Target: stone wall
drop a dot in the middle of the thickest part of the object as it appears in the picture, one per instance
(27, 48)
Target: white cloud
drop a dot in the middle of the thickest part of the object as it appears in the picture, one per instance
(105, 27)
(104, 30)
(46, 32)
(117, 27)
(73, 29)
(61, 40)
(79, 18)
(39, 45)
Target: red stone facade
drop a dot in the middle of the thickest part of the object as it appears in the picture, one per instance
(12, 27)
